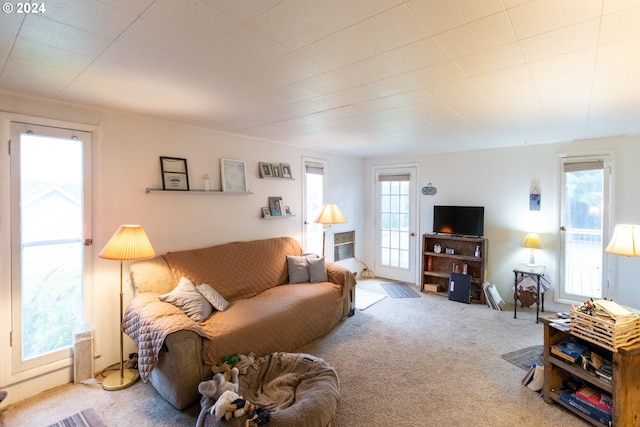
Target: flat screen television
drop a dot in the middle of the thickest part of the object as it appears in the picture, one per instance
(459, 220)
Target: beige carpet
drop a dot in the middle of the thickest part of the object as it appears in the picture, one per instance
(409, 362)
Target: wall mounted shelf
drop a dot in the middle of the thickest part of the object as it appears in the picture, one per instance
(277, 217)
(160, 190)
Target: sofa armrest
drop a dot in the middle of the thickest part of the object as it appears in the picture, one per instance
(180, 369)
(340, 276)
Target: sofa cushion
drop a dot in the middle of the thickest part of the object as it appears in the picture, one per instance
(216, 300)
(186, 297)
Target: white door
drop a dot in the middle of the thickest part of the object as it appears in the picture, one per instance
(584, 214)
(50, 252)
(396, 223)
(313, 199)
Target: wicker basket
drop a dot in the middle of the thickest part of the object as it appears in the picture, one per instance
(605, 332)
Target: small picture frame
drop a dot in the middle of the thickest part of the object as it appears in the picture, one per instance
(275, 206)
(174, 173)
(266, 212)
(234, 175)
(276, 171)
(285, 168)
(287, 211)
(265, 170)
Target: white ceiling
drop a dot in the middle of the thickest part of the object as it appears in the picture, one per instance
(359, 77)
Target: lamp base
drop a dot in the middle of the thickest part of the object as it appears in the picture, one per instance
(114, 381)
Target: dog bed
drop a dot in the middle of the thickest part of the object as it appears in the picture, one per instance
(299, 389)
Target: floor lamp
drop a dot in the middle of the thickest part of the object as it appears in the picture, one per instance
(625, 240)
(329, 214)
(129, 242)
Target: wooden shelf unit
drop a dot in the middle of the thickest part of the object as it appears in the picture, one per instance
(624, 389)
(442, 263)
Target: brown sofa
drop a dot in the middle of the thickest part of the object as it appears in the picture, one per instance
(265, 313)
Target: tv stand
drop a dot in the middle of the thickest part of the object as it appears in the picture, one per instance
(436, 278)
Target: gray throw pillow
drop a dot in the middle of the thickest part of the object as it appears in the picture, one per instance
(186, 297)
(317, 269)
(298, 270)
(217, 301)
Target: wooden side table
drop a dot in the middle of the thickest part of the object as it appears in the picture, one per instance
(537, 271)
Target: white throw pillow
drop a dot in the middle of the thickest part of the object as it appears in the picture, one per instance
(217, 301)
(298, 270)
(317, 269)
(186, 297)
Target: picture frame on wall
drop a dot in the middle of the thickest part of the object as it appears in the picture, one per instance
(234, 175)
(275, 206)
(174, 173)
(287, 210)
(285, 168)
(266, 212)
(276, 171)
(265, 170)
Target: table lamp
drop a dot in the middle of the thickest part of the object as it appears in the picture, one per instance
(329, 214)
(532, 241)
(625, 240)
(129, 242)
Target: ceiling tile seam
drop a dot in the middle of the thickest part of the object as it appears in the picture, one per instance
(526, 63)
(98, 56)
(15, 39)
(593, 72)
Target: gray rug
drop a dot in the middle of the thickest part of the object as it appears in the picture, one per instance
(85, 418)
(525, 357)
(399, 290)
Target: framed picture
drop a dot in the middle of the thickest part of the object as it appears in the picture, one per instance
(287, 211)
(234, 175)
(266, 212)
(275, 206)
(174, 173)
(285, 168)
(276, 171)
(265, 170)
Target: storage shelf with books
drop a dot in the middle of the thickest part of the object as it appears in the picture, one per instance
(623, 389)
(465, 253)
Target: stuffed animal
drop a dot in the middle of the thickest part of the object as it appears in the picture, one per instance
(220, 408)
(259, 416)
(213, 389)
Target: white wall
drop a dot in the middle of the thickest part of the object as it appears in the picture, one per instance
(500, 180)
(126, 151)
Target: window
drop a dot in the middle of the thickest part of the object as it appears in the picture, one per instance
(50, 207)
(584, 203)
(314, 172)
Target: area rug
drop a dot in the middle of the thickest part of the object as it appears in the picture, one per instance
(85, 418)
(399, 290)
(525, 357)
(366, 299)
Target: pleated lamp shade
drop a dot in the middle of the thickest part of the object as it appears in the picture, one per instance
(330, 214)
(129, 242)
(625, 240)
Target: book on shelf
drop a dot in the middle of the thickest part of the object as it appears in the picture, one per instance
(595, 397)
(605, 372)
(568, 349)
(592, 411)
